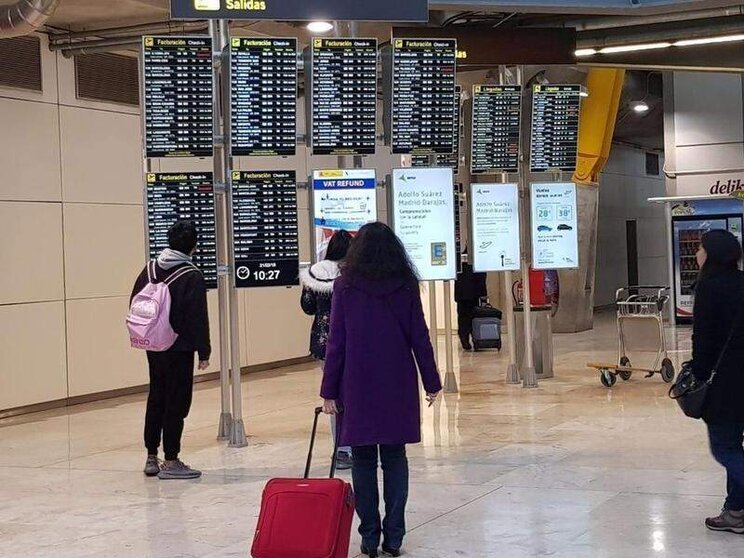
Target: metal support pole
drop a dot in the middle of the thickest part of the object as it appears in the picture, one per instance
(433, 334)
(450, 380)
(529, 377)
(237, 430)
(223, 430)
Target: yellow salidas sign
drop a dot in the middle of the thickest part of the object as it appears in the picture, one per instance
(246, 5)
(207, 5)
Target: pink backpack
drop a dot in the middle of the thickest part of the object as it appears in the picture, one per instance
(148, 320)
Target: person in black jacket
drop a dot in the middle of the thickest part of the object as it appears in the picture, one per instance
(172, 371)
(317, 291)
(469, 288)
(717, 314)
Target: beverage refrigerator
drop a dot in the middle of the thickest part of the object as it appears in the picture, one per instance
(690, 221)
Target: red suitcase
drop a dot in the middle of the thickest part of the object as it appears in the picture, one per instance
(305, 518)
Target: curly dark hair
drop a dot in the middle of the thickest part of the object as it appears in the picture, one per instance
(338, 246)
(376, 253)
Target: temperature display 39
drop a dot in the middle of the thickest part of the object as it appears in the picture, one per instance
(178, 96)
(423, 96)
(344, 96)
(183, 196)
(555, 127)
(263, 96)
(267, 251)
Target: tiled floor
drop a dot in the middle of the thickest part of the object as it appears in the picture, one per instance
(570, 469)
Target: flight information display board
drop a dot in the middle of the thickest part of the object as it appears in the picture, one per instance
(422, 102)
(177, 88)
(263, 96)
(267, 251)
(495, 131)
(185, 196)
(555, 127)
(452, 160)
(343, 89)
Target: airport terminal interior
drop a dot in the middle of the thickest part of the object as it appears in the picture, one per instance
(550, 168)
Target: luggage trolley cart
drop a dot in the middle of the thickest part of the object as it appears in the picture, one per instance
(640, 329)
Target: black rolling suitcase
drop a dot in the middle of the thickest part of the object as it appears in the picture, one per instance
(486, 327)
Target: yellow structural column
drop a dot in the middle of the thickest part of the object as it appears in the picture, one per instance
(597, 122)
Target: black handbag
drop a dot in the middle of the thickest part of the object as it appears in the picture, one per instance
(688, 391)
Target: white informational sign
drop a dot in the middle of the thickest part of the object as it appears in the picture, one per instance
(495, 218)
(423, 202)
(342, 199)
(555, 235)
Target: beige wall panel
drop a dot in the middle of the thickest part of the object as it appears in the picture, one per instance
(32, 354)
(101, 156)
(99, 356)
(29, 151)
(104, 249)
(31, 250)
(277, 328)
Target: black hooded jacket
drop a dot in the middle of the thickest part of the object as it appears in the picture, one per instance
(189, 316)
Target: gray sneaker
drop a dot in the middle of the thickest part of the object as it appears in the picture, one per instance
(177, 470)
(152, 466)
(729, 520)
(344, 461)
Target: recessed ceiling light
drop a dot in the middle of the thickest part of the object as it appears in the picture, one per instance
(585, 52)
(633, 48)
(640, 107)
(710, 40)
(319, 26)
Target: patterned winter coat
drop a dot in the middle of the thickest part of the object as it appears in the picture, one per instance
(317, 292)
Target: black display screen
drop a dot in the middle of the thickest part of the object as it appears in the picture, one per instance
(178, 96)
(185, 196)
(267, 251)
(263, 96)
(344, 96)
(452, 160)
(555, 127)
(423, 96)
(496, 117)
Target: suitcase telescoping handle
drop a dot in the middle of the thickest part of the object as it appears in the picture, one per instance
(318, 412)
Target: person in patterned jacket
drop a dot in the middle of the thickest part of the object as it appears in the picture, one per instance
(317, 290)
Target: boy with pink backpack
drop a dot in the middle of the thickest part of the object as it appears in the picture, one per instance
(168, 318)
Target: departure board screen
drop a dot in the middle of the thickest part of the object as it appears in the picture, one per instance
(178, 96)
(495, 142)
(555, 127)
(185, 196)
(267, 250)
(453, 159)
(343, 87)
(423, 96)
(263, 96)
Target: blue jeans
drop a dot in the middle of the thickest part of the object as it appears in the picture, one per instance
(395, 491)
(727, 446)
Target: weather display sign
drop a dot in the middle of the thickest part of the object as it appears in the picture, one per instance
(555, 238)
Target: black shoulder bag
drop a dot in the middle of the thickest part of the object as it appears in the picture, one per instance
(688, 391)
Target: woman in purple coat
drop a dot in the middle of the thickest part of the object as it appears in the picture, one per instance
(378, 336)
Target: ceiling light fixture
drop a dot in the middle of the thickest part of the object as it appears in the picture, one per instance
(709, 40)
(319, 26)
(640, 107)
(634, 48)
(584, 92)
(585, 52)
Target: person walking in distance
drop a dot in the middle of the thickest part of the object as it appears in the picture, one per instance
(317, 291)
(718, 332)
(470, 287)
(172, 370)
(378, 337)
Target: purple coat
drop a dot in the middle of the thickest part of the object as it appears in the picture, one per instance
(377, 328)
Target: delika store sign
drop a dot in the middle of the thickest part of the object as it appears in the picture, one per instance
(303, 10)
(727, 186)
